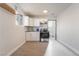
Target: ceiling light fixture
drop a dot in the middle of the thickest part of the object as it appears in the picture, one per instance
(45, 11)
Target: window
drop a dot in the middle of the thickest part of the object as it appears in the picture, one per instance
(19, 20)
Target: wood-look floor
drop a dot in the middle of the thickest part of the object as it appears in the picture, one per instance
(31, 49)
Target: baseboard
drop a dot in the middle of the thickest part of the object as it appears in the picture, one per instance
(11, 52)
(75, 51)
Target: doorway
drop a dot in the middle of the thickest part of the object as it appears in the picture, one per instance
(52, 28)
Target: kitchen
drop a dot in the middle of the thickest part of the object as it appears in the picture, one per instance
(37, 27)
(33, 29)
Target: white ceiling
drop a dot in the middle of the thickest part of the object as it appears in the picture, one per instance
(36, 9)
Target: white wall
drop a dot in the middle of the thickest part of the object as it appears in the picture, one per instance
(68, 27)
(11, 36)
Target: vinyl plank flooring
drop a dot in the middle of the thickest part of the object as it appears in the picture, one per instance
(31, 49)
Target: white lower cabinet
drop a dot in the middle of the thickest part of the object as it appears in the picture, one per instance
(27, 36)
(32, 36)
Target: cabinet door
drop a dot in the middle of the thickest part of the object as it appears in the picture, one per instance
(31, 22)
(36, 22)
(27, 36)
(32, 36)
(35, 36)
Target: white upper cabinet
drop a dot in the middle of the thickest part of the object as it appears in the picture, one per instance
(36, 22)
(31, 22)
(25, 21)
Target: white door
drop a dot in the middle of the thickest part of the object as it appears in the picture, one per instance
(52, 28)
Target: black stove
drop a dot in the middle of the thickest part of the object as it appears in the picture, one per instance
(44, 33)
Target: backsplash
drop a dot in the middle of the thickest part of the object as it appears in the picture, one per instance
(32, 29)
